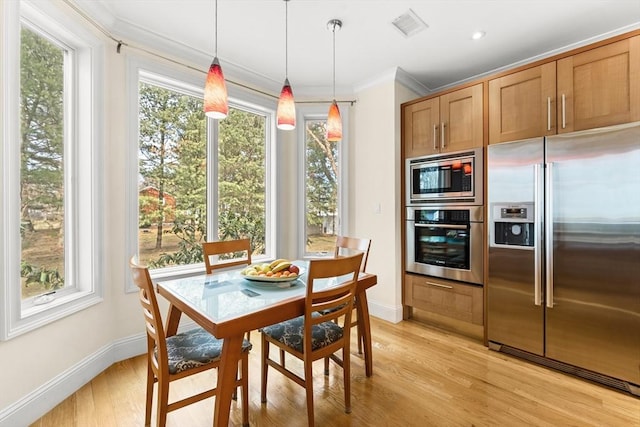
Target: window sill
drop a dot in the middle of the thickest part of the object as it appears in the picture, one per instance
(64, 304)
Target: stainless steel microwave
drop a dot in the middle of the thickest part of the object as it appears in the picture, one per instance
(445, 178)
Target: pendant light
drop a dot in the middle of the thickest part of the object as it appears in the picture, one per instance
(334, 122)
(216, 102)
(286, 113)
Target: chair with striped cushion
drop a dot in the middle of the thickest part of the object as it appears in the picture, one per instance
(170, 358)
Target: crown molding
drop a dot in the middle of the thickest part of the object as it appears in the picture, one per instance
(395, 74)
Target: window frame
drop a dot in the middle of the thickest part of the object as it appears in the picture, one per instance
(320, 112)
(180, 78)
(83, 158)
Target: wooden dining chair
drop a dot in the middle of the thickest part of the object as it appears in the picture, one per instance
(171, 358)
(316, 335)
(349, 246)
(226, 247)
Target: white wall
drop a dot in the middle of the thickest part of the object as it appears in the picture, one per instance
(375, 188)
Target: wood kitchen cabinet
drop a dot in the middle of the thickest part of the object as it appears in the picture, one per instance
(599, 87)
(596, 88)
(522, 104)
(448, 298)
(451, 122)
(420, 123)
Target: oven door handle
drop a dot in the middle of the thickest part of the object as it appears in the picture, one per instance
(451, 226)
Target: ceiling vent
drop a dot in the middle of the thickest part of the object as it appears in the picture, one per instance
(409, 24)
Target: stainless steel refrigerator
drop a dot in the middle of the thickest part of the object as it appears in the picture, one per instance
(564, 252)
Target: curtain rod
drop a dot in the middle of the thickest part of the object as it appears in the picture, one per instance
(120, 43)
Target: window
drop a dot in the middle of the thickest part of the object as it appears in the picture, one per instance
(322, 190)
(50, 168)
(42, 118)
(198, 179)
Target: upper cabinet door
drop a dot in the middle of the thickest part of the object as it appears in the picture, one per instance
(421, 128)
(461, 119)
(522, 104)
(600, 87)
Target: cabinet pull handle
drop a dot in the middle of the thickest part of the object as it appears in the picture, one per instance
(435, 137)
(564, 109)
(442, 143)
(548, 113)
(438, 285)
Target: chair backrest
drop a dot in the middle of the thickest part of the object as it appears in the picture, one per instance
(329, 303)
(153, 320)
(352, 245)
(211, 249)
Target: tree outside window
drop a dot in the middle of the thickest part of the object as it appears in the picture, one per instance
(322, 220)
(172, 185)
(42, 65)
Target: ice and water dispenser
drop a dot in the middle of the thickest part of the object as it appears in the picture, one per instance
(513, 224)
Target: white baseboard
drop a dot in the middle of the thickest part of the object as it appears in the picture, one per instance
(389, 313)
(41, 400)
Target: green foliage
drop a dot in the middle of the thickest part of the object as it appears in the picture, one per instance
(241, 178)
(50, 278)
(190, 251)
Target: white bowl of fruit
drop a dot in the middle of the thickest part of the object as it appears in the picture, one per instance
(280, 270)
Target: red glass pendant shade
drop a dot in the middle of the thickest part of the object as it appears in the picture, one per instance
(216, 104)
(334, 123)
(286, 108)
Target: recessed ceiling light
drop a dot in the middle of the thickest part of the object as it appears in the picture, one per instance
(478, 35)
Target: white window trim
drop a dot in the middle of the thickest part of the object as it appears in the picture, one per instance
(84, 157)
(192, 83)
(320, 112)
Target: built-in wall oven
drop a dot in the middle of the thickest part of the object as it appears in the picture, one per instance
(446, 241)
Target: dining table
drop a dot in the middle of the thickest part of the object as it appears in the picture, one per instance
(227, 305)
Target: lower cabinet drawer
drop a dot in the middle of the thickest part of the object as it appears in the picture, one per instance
(445, 297)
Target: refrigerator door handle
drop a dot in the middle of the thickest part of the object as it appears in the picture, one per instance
(548, 228)
(537, 284)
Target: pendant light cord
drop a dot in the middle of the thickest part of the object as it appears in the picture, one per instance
(286, 39)
(334, 60)
(216, 31)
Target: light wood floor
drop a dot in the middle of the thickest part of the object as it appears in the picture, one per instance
(423, 376)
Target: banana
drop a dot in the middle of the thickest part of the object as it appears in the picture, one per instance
(282, 266)
(276, 262)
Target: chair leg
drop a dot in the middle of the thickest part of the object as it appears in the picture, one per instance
(244, 371)
(149, 400)
(163, 402)
(263, 382)
(360, 338)
(326, 366)
(308, 385)
(346, 367)
(234, 396)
